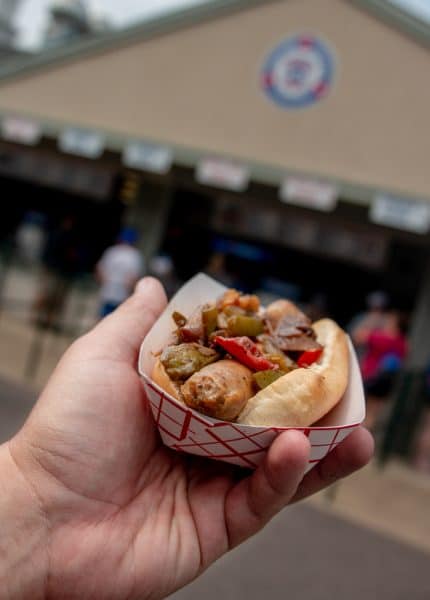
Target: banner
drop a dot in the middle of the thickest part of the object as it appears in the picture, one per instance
(81, 142)
(21, 130)
(147, 157)
(401, 213)
(309, 193)
(223, 174)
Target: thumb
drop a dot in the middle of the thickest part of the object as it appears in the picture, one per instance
(120, 335)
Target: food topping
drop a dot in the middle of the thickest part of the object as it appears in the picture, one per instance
(269, 342)
(249, 303)
(309, 357)
(210, 319)
(295, 334)
(239, 325)
(193, 330)
(246, 352)
(265, 378)
(179, 319)
(182, 361)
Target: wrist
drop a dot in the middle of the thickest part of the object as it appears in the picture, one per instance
(23, 534)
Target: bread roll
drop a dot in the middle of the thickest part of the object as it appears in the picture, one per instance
(305, 395)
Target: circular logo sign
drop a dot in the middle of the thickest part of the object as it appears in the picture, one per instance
(298, 72)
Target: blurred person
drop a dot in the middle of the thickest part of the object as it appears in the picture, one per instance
(386, 348)
(93, 505)
(118, 270)
(372, 318)
(30, 239)
(61, 263)
(161, 266)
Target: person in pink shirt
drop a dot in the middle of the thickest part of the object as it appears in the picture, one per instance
(386, 348)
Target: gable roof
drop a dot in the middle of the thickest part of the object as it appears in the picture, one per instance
(390, 13)
(398, 18)
(147, 29)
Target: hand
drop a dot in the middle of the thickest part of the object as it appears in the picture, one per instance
(125, 516)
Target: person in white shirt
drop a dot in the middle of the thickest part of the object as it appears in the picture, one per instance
(118, 270)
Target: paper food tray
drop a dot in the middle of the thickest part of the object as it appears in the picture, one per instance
(186, 430)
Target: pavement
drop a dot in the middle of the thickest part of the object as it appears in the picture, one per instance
(309, 555)
(16, 402)
(367, 537)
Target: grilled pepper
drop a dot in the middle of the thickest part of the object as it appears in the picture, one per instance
(265, 378)
(210, 318)
(309, 357)
(182, 361)
(246, 352)
(240, 325)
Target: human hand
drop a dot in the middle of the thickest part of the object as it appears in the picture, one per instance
(124, 516)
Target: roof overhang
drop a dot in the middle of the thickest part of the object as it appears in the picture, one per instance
(352, 192)
(192, 16)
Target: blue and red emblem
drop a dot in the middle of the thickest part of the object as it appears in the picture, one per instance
(298, 72)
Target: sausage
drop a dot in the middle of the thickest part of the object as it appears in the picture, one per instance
(219, 390)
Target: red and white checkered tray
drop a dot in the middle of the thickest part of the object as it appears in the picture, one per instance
(188, 431)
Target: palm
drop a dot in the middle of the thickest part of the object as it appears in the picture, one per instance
(128, 517)
(115, 482)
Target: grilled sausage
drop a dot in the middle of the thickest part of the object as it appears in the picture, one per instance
(219, 390)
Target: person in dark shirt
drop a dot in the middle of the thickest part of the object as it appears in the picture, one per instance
(61, 263)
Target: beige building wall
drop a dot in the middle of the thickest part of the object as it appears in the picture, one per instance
(199, 87)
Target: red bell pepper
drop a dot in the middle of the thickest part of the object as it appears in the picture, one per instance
(246, 352)
(308, 357)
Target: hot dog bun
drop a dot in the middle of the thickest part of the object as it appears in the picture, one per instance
(305, 395)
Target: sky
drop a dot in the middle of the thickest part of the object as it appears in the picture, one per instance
(419, 8)
(31, 17)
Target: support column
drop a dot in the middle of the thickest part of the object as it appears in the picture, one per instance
(149, 216)
(409, 397)
(419, 354)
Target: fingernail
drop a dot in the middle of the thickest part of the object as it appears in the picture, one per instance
(143, 285)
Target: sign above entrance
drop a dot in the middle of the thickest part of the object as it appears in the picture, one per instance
(57, 172)
(401, 213)
(298, 72)
(309, 193)
(223, 173)
(147, 157)
(81, 142)
(21, 130)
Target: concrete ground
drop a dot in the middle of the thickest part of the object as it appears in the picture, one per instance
(309, 555)
(15, 404)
